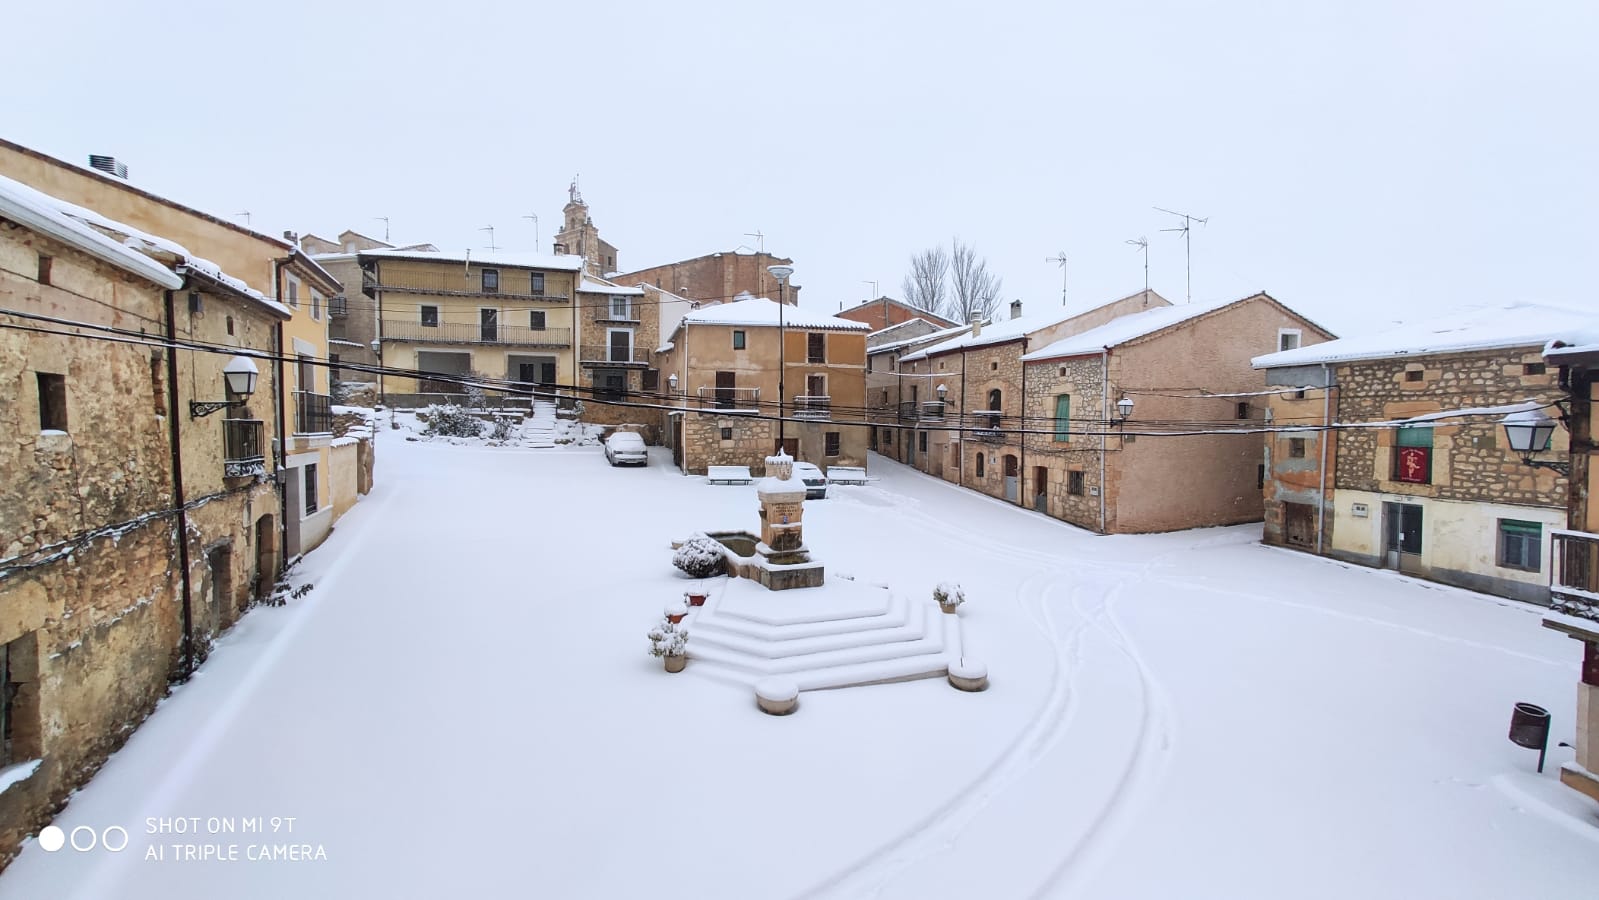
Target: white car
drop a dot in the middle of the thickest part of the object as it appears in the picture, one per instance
(815, 481)
(625, 448)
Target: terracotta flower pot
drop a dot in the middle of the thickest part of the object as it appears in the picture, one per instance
(695, 599)
(675, 662)
(675, 618)
(949, 607)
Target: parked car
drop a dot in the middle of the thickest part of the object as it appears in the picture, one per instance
(625, 448)
(815, 481)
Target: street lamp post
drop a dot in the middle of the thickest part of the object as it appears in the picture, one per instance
(781, 273)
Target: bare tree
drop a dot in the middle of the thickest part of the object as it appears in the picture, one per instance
(974, 291)
(925, 287)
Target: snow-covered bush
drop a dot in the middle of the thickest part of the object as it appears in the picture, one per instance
(949, 594)
(475, 397)
(449, 420)
(668, 639)
(504, 429)
(699, 557)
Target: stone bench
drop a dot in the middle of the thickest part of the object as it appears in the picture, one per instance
(728, 475)
(846, 475)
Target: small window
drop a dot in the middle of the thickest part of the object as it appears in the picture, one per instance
(1414, 375)
(993, 367)
(535, 319)
(294, 291)
(979, 465)
(430, 316)
(652, 380)
(1288, 339)
(229, 320)
(52, 402)
(1520, 545)
(888, 437)
(45, 263)
(1063, 415)
(491, 281)
(921, 441)
(1296, 448)
(1260, 477)
(1413, 456)
(306, 376)
(538, 283)
(316, 305)
(1299, 394)
(310, 489)
(1533, 369)
(1243, 409)
(995, 399)
(620, 308)
(816, 347)
(727, 434)
(831, 443)
(1063, 371)
(738, 340)
(1074, 482)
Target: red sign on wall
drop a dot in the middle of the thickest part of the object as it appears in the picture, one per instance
(1415, 465)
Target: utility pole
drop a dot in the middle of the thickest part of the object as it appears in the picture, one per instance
(1188, 248)
(1061, 259)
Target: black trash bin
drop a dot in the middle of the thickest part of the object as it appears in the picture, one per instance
(1529, 727)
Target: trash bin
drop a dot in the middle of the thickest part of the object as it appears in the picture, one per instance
(1529, 727)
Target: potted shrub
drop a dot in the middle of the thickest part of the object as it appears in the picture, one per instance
(675, 611)
(949, 596)
(669, 641)
(699, 557)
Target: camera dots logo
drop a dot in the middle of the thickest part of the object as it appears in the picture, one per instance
(83, 838)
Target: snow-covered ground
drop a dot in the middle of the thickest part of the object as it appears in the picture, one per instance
(464, 707)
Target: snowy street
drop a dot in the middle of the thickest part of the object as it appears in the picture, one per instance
(463, 706)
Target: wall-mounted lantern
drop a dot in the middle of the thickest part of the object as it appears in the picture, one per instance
(1528, 432)
(1124, 407)
(240, 373)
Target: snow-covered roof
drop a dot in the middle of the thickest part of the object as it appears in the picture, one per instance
(139, 243)
(340, 342)
(942, 335)
(1127, 328)
(996, 333)
(562, 262)
(758, 311)
(589, 285)
(1517, 324)
(23, 205)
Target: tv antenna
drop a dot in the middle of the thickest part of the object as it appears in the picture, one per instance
(1061, 259)
(490, 230)
(535, 218)
(1142, 244)
(385, 221)
(246, 215)
(874, 289)
(1188, 248)
(760, 247)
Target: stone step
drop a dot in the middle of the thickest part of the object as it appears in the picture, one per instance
(894, 616)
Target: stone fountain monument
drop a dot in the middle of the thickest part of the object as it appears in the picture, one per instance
(783, 562)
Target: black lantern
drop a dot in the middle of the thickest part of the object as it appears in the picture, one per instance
(1528, 432)
(240, 374)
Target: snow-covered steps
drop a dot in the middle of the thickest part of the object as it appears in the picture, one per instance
(538, 431)
(837, 635)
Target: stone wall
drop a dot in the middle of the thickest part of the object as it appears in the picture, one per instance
(1080, 378)
(1470, 461)
(718, 277)
(989, 368)
(746, 441)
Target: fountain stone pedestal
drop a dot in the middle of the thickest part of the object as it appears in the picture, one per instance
(786, 563)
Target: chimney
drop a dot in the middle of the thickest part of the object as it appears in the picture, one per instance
(109, 165)
(560, 248)
(977, 327)
(1016, 309)
(292, 238)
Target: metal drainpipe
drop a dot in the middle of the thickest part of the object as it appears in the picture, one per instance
(1021, 476)
(960, 434)
(1326, 421)
(1104, 439)
(282, 450)
(177, 489)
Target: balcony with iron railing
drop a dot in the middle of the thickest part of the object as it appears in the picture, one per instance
(313, 413)
(476, 333)
(931, 411)
(986, 428)
(338, 307)
(1574, 577)
(452, 283)
(730, 399)
(243, 448)
(811, 406)
(604, 355)
(610, 314)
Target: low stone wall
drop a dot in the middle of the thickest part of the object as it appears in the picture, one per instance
(344, 467)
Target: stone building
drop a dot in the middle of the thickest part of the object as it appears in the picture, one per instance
(620, 332)
(352, 316)
(1574, 581)
(272, 266)
(503, 315)
(579, 236)
(885, 312)
(980, 371)
(715, 278)
(889, 411)
(1188, 453)
(137, 494)
(1418, 476)
(729, 394)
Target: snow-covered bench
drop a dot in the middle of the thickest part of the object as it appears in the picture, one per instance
(728, 475)
(846, 475)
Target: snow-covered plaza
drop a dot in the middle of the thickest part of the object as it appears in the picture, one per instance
(463, 706)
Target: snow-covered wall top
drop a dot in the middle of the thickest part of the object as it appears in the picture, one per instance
(1127, 328)
(1519, 324)
(591, 286)
(562, 262)
(758, 311)
(42, 213)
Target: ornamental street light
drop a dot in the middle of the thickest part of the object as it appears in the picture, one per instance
(781, 273)
(1124, 407)
(1528, 432)
(240, 373)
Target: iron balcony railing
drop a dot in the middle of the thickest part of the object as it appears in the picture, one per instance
(338, 307)
(818, 407)
(243, 449)
(739, 398)
(453, 283)
(1574, 577)
(476, 333)
(932, 411)
(595, 353)
(313, 413)
(606, 313)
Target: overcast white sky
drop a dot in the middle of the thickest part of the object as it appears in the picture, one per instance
(1362, 161)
